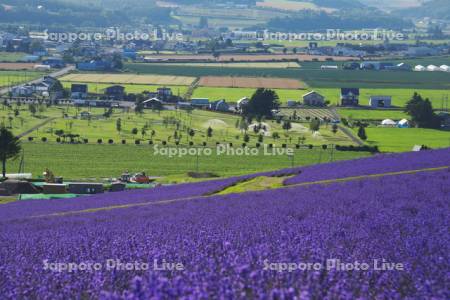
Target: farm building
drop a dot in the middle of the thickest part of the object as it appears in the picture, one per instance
(291, 103)
(399, 67)
(200, 102)
(153, 103)
(85, 115)
(54, 62)
(242, 102)
(328, 67)
(419, 68)
(41, 68)
(94, 65)
(313, 99)
(184, 105)
(22, 91)
(79, 91)
(375, 65)
(116, 92)
(164, 93)
(380, 101)
(219, 105)
(349, 96)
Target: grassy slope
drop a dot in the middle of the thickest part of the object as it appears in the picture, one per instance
(103, 161)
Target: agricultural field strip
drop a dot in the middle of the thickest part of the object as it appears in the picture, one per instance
(319, 182)
(129, 79)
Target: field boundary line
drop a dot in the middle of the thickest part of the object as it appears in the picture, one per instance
(168, 201)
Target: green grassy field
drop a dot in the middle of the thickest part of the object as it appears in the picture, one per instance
(403, 139)
(11, 56)
(106, 161)
(369, 114)
(313, 77)
(129, 88)
(234, 94)
(8, 78)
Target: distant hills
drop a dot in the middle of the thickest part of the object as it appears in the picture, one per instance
(436, 9)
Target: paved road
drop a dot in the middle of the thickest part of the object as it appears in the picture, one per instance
(57, 73)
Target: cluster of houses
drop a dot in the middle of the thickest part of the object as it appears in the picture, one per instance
(49, 87)
(348, 97)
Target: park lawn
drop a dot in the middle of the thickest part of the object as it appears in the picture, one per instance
(93, 162)
(399, 96)
(234, 94)
(223, 125)
(10, 78)
(11, 56)
(25, 120)
(403, 139)
(98, 88)
(371, 114)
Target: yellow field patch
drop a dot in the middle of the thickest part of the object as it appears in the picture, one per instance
(130, 79)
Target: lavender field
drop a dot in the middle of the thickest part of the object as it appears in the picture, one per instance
(238, 246)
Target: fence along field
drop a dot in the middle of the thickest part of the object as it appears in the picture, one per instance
(130, 78)
(251, 82)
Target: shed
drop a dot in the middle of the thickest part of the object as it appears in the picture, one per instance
(200, 102)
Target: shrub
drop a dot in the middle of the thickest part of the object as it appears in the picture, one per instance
(110, 141)
(164, 143)
(244, 145)
(324, 147)
(204, 144)
(191, 143)
(150, 142)
(258, 145)
(310, 146)
(99, 141)
(137, 142)
(124, 142)
(283, 145)
(44, 139)
(85, 141)
(58, 140)
(30, 138)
